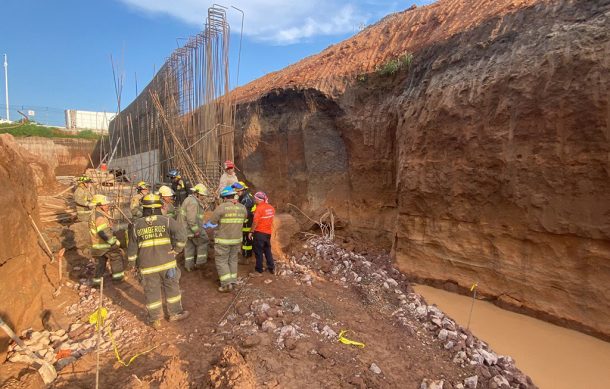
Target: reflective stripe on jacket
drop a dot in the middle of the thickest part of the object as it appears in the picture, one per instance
(100, 230)
(153, 241)
(191, 215)
(230, 219)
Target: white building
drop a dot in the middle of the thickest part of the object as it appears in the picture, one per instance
(88, 120)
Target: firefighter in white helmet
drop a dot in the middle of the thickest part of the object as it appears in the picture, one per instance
(191, 217)
(167, 199)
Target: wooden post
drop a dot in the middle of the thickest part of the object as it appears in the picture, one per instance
(99, 334)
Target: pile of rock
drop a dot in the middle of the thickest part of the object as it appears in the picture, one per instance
(65, 346)
(383, 285)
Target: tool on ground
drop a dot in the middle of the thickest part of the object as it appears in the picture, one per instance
(42, 238)
(473, 289)
(235, 299)
(46, 370)
(347, 341)
(60, 260)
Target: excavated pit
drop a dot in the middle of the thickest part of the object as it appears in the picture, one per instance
(486, 160)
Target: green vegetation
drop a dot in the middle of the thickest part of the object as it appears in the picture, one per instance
(394, 65)
(32, 129)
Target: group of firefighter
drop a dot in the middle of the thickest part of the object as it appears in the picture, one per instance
(172, 220)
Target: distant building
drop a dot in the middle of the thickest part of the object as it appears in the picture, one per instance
(88, 120)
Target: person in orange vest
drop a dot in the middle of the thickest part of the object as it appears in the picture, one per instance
(262, 227)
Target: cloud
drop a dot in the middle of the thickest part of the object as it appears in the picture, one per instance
(275, 21)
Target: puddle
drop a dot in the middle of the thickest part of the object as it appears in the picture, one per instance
(554, 357)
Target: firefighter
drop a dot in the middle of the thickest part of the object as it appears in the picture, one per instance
(104, 245)
(82, 197)
(228, 178)
(167, 198)
(191, 217)
(180, 187)
(153, 244)
(247, 200)
(142, 189)
(230, 216)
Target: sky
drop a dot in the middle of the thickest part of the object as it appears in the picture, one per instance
(59, 51)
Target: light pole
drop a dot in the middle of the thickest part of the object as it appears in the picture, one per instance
(6, 87)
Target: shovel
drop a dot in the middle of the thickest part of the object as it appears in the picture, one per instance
(45, 369)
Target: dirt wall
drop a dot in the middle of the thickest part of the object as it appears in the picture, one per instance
(22, 277)
(67, 157)
(485, 160)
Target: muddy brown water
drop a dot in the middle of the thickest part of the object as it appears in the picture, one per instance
(554, 357)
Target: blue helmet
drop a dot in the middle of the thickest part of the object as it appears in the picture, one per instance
(227, 191)
(238, 186)
(173, 173)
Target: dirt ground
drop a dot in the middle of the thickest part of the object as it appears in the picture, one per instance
(275, 331)
(198, 342)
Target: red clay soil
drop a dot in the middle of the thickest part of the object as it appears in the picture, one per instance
(397, 34)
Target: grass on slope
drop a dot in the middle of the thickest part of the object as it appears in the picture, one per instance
(32, 129)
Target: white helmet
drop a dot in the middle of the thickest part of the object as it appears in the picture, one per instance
(166, 191)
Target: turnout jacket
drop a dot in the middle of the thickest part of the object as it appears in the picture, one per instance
(153, 243)
(181, 190)
(82, 198)
(191, 215)
(100, 230)
(248, 201)
(230, 219)
(169, 210)
(136, 205)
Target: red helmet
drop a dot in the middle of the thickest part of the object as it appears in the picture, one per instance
(229, 165)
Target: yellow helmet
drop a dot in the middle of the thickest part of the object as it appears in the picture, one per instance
(166, 191)
(243, 184)
(142, 185)
(99, 199)
(200, 189)
(151, 201)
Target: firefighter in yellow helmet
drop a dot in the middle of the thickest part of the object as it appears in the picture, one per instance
(167, 199)
(142, 189)
(191, 217)
(82, 197)
(154, 241)
(104, 245)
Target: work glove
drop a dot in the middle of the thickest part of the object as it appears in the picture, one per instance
(210, 225)
(171, 274)
(117, 243)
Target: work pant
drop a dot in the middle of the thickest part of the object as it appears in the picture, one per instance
(226, 263)
(156, 285)
(115, 256)
(196, 251)
(262, 246)
(246, 244)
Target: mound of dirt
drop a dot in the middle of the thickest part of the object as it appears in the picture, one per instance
(232, 372)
